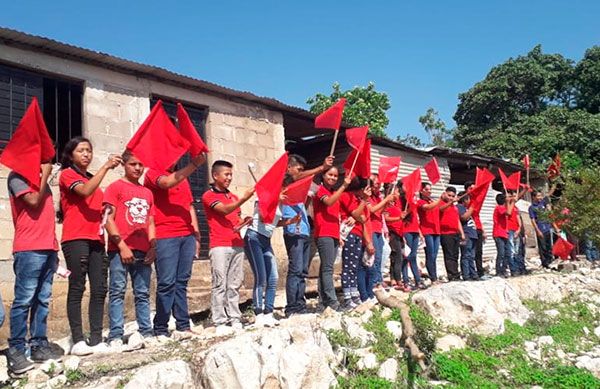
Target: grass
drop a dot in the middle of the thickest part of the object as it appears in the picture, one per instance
(340, 338)
(385, 344)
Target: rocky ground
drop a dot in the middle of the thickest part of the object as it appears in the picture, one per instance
(541, 330)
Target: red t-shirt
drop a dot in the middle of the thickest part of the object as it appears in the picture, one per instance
(394, 210)
(477, 220)
(327, 219)
(376, 217)
(512, 221)
(82, 216)
(134, 204)
(220, 227)
(449, 220)
(429, 219)
(34, 227)
(348, 203)
(411, 221)
(172, 213)
(500, 221)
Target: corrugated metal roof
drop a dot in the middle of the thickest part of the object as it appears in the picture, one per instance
(55, 48)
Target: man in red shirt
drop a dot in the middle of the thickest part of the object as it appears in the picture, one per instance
(177, 242)
(34, 252)
(222, 209)
(451, 233)
(502, 212)
(429, 219)
(131, 250)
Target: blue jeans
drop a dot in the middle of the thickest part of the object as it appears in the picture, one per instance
(503, 258)
(264, 267)
(412, 241)
(173, 265)
(378, 244)
(432, 247)
(591, 251)
(467, 259)
(34, 272)
(517, 250)
(2, 314)
(140, 280)
(298, 250)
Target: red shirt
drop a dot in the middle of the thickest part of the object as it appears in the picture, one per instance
(348, 203)
(376, 217)
(394, 210)
(429, 219)
(82, 216)
(512, 221)
(172, 212)
(477, 220)
(327, 219)
(411, 221)
(449, 221)
(220, 227)
(34, 227)
(500, 221)
(134, 204)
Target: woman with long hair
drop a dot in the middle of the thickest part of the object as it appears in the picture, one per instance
(83, 240)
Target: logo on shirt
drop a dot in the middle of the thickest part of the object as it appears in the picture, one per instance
(137, 211)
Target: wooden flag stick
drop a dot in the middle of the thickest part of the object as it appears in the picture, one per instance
(335, 136)
(354, 163)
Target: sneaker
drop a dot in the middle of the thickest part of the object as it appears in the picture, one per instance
(156, 341)
(182, 335)
(356, 300)
(349, 305)
(44, 353)
(81, 348)
(259, 320)
(135, 342)
(270, 321)
(422, 286)
(17, 361)
(116, 345)
(101, 348)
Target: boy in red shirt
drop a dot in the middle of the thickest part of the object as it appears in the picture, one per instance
(131, 250)
(222, 210)
(394, 216)
(429, 219)
(451, 233)
(500, 233)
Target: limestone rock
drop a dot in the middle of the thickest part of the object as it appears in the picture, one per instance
(545, 340)
(395, 328)
(365, 317)
(355, 330)
(590, 364)
(597, 331)
(52, 368)
(36, 376)
(449, 342)
(331, 320)
(3, 371)
(386, 313)
(296, 354)
(548, 288)
(388, 369)
(482, 306)
(57, 381)
(168, 374)
(369, 361)
(71, 363)
(552, 313)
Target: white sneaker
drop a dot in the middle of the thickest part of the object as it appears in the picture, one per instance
(270, 321)
(102, 348)
(156, 341)
(81, 348)
(116, 345)
(224, 330)
(259, 320)
(135, 342)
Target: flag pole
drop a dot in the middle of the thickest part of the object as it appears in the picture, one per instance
(335, 136)
(354, 163)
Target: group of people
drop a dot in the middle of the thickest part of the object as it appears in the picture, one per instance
(112, 235)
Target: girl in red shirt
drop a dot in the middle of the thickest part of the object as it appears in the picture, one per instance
(394, 215)
(83, 240)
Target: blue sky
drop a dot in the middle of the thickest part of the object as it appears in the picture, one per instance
(422, 53)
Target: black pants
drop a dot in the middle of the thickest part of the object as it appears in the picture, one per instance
(451, 249)
(86, 257)
(545, 248)
(479, 254)
(396, 257)
(328, 248)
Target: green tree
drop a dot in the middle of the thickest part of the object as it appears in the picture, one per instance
(587, 78)
(435, 127)
(411, 140)
(364, 106)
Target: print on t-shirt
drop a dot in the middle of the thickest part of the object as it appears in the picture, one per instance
(137, 211)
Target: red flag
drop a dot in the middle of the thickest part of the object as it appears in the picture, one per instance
(554, 168)
(188, 131)
(433, 171)
(362, 168)
(510, 183)
(29, 146)
(483, 175)
(388, 169)
(526, 161)
(331, 118)
(356, 136)
(268, 189)
(297, 191)
(157, 143)
(562, 248)
(412, 184)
